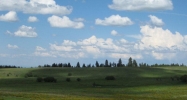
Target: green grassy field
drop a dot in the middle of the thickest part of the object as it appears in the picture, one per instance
(130, 84)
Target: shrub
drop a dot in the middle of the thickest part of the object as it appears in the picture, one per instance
(183, 78)
(68, 79)
(109, 78)
(39, 79)
(69, 74)
(78, 79)
(35, 75)
(50, 79)
(28, 75)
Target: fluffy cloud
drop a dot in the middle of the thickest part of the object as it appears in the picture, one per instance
(160, 43)
(114, 20)
(32, 19)
(118, 55)
(35, 7)
(156, 37)
(68, 43)
(154, 42)
(79, 19)
(141, 5)
(25, 31)
(163, 55)
(4, 55)
(9, 17)
(12, 46)
(43, 54)
(64, 22)
(155, 21)
(61, 48)
(94, 47)
(38, 48)
(90, 41)
(114, 33)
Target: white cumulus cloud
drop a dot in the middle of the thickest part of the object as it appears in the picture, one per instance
(32, 19)
(64, 22)
(114, 32)
(9, 17)
(61, 48)
(38, 48)
(141, 5)
(157, 37)
(163, 55)
(114, 20)
(12, 46)
(79, 19)
(26, 31)
(43, 54)
(92, 47)
(35, 7)
(155, 21)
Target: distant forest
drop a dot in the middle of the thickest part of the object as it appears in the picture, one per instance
(131, 63)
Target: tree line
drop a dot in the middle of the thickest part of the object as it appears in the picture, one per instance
(9, 66)
(131, 63)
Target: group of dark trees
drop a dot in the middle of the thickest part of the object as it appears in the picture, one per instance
(8, 66)
(131, 63)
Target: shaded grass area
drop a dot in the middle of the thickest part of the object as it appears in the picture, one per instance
(130, 83)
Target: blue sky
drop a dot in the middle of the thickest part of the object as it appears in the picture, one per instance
(38, 32)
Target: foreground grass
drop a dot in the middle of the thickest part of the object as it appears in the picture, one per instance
(130, 83)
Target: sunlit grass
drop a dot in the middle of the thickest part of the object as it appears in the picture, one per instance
(130, 83)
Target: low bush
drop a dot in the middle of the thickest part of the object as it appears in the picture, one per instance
(183, 78)
(50, 79)
(28, 75)
(68, 79)
(109, 78)
(78, 79)
(39, 79)
(69, 74)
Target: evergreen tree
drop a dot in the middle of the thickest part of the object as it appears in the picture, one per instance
(106, 63)
(135, 63)
(102, 65)
(89, 66)
(130, 62)
(60, 65)
(78, 65)
(83, 65)
(69, 65)
(54, 65)
(97, 64)
(119, 63)
(114, 64)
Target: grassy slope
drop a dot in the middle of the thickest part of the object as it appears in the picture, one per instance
(130, 83)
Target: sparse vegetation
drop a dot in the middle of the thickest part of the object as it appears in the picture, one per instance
(50, 79)
(39, 79)
(130, 83)
(69, 74)
(28, 75)
(183, 78)
(109, 78)
(78, 79)
(68, 79)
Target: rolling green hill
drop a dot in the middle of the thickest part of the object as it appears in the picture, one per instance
(131, 83)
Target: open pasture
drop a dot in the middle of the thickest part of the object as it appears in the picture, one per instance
(130, 83)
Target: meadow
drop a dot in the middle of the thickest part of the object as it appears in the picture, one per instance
(153, 83)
